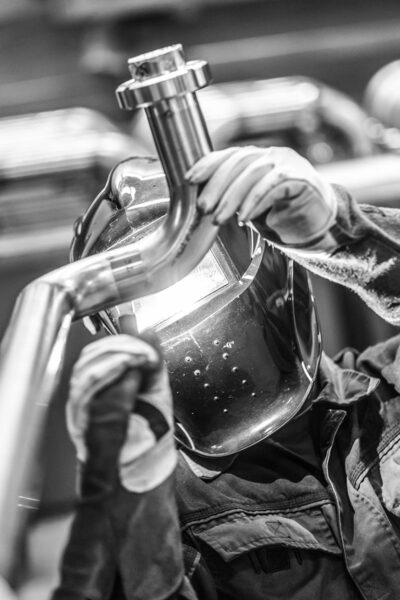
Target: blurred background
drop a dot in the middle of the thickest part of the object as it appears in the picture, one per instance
(322, 77)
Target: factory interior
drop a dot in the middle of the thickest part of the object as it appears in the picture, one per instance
(320, 77)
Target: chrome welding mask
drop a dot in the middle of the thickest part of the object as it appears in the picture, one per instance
(240, 333)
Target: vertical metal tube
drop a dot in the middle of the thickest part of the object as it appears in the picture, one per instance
(181, 136)
(21, 423)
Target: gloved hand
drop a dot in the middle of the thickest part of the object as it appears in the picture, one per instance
(147, 456)
(275, 184)
(119, 416)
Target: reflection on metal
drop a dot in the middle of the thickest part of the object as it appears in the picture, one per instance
(240, 334)
(31, 353)
(321, 123)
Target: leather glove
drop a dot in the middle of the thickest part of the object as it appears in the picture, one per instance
(148, 455)
(125, 527)
(273, 184)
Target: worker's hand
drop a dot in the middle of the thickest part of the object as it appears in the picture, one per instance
(116, 374)
(275, 184)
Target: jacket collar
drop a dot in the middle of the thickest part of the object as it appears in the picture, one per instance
(343, 387)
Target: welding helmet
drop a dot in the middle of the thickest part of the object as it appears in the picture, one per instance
(240, 333)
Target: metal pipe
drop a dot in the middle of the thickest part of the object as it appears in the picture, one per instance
(30, 364)
(31, 354)
(168, 120)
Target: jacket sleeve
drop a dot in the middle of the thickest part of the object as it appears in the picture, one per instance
(362, 253)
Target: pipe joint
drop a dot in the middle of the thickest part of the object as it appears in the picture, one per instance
(161, 75)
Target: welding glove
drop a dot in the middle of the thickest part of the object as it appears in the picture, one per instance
(274, 187)
(125, 527)
(147, 456)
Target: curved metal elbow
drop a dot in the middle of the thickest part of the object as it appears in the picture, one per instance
(126, 260)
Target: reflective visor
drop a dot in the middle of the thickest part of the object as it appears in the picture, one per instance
(240, 334)
(241, 341)
(182, 297)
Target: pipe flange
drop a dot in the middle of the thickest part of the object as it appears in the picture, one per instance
(160, 75)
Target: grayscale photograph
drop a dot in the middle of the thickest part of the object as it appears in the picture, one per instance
(200, 300)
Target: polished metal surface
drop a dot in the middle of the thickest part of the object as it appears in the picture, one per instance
(158, 78)
(31, 355)
(243, 362)
(46, 307)
(239, 334)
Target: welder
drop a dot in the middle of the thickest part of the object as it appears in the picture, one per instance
(287, 488)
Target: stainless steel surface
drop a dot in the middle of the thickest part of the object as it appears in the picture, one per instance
(155, 79)
(236, 384)
(232, 384)
(84, 287)
(31, 357)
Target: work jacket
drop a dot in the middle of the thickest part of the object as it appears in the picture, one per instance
(313, 511)
(288, 529)
(319, 519)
